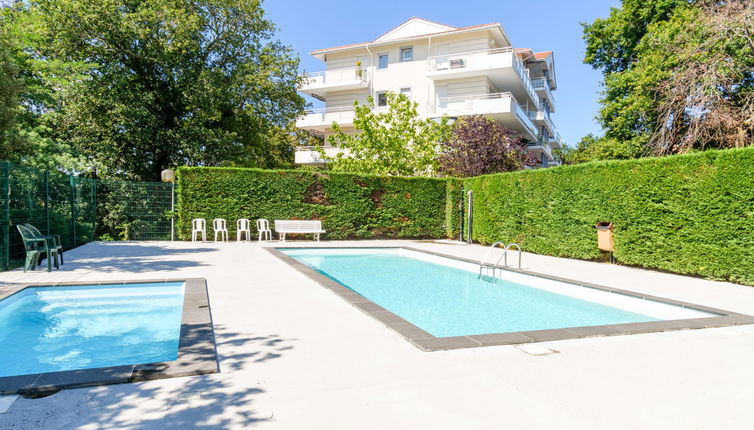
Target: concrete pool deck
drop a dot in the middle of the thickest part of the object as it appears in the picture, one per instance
(294, 355)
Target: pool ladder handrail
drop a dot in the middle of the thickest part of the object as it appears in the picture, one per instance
(483, 263)
(518, 248)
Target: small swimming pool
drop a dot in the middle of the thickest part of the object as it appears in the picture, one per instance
(446, 297)
(60, 328)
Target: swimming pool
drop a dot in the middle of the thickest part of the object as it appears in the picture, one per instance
(446, 298)
(50, 329)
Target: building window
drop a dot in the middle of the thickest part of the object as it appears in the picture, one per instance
(406, 92)
(381, 98)
(382, 61)
(407, 53)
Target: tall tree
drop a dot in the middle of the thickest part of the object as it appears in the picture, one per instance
(391, 142)
(167, 82)
(678, 76)
(478, 146)
(707, 99)
(614, 46)
(611, 42)
(33, 85)
(9, 98)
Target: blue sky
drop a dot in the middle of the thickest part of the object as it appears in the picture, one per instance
(542, 26)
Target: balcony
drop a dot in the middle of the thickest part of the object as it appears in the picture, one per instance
(310, 155)
(543, 89)
(540, 146)
(555, 141)
(501, 66)
(319, 83)
(503, 107)
(542, 117)
(322, 119)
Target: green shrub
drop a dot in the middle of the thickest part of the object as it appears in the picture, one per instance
(691, 214)
(349, 205)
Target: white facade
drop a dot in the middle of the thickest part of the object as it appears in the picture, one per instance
(447, 71)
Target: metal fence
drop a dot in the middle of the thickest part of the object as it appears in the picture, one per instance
(79, 210)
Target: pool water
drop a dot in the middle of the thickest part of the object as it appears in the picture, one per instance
(446, 297)
(48, 329)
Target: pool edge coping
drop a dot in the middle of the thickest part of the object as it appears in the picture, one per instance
(429, 343)
(197, 350)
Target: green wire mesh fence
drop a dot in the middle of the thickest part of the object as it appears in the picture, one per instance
(79, 210)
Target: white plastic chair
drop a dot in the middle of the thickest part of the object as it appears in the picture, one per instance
(243, 226)
(263, 227)
(219, 226)
(198, 225)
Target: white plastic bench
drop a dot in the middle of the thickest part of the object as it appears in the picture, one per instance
(298, 226)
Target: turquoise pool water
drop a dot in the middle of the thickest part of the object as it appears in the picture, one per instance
(448, 301)
(48, 329)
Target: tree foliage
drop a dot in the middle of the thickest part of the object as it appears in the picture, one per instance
(677, 76)
(394, 141)
(151, 84)
(708, 98)
(478, 146)
(592, 147)
(9, 98)
(35, 85)
(611, 43)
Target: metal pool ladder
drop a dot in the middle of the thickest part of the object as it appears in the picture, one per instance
(485, 264)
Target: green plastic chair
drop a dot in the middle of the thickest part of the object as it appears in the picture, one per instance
(35, 246)
(53, 240)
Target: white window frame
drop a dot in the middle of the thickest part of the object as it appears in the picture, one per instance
(406, 93)
(387, 60)
(403, 49)
(377, 99)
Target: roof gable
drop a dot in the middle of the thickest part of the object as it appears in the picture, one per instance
(414, 27)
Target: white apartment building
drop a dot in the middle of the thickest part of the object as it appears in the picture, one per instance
(447, 71)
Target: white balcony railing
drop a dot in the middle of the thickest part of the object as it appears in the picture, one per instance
(556, 141)
(335, 77)
(542, 145)
(311, 155)
(482, 104)
(487, 58)
(464, 60)
(521, 115)
(544, 116)
(543, 84)
(324, 117)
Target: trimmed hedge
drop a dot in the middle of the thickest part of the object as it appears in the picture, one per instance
(691, 214)
(349, 205)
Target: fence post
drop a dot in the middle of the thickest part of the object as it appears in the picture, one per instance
(5, 262)
(470, 217)
(94, 210)
(72, 182)
(172, 211)
(461, 211)
(47, 201)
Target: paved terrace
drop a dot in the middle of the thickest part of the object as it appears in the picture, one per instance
(293, 356)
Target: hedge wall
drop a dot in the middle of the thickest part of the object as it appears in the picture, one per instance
(691, 214)
(349, 205)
